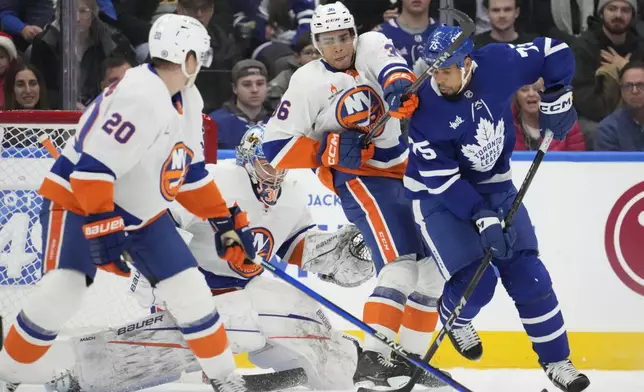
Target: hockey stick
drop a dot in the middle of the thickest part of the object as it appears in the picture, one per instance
(275, 381)
(468, 27)
(449, 323)
(366, 328)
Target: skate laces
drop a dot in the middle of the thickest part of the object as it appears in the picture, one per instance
(385, 362)
(233, 383)
(466, 337)
(562, 371)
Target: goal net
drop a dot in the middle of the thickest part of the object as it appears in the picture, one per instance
(23, 165)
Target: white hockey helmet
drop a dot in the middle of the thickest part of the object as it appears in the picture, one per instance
(332, 17)
(173, 36)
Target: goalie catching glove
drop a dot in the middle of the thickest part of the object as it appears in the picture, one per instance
(106, 236)
(340, 257)
(234, 242)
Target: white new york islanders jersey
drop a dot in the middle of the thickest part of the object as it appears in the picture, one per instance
(136, 148)
(277, 230)
(320, 99)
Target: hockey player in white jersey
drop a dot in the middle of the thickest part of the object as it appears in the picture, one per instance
(320, 124)
(137, 149)
(278, 326)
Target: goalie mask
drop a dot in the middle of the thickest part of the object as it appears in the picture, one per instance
(267, 181)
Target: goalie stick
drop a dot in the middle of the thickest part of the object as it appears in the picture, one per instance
(468, 27)
(449, 323)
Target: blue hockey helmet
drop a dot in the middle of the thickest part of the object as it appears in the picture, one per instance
(250, 155)
(440, 40)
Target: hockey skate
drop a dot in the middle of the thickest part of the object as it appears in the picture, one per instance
(565, 376)
(467, 342)
(8, 386)
(233, 383)
(375, 370)
(426, 379)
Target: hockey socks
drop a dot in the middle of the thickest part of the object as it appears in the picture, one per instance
(544, 324)
(384, 312)
(418, 323)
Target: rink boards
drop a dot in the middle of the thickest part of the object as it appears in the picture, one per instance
(588, 212)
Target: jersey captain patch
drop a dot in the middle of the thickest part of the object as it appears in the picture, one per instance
(174, 170)
(359, 107)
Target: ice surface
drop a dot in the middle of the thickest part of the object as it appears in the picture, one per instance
(509, 380)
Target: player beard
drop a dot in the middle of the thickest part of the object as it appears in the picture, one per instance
(616, 26)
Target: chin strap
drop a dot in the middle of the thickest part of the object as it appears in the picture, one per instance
(464, 78)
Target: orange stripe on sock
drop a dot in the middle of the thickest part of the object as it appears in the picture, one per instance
(419, 320)
(21, 350)
(210, 346)
(381, 314)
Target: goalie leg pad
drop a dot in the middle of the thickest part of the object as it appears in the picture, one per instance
(384, 308)
(299, 334)
(56, 299)
(188, 299)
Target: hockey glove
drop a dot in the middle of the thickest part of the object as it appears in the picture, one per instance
(493, 236)
(344, 149)
(234, 242)
(401, 105)
(556, 112)
(106, 236)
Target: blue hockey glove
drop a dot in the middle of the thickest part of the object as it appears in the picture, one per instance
(235, 243)
(556, 112)
(493, 235)
(344, 149)
(106, 236)
(400, 106)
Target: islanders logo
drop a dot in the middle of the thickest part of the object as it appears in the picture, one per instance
(174, 170)
(359, 108)
(263, 242)
(623, 238)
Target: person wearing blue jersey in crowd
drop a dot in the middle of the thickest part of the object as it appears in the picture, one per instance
(410, 30)
(459, 177)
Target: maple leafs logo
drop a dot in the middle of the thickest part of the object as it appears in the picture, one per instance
(490, 140)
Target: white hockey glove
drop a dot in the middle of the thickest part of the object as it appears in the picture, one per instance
(340, 257)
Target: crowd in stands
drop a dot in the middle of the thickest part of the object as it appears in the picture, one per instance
(259, 44)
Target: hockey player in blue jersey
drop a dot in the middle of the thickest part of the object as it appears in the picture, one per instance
(461, 139)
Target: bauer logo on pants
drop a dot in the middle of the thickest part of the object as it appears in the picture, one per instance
(624, 238)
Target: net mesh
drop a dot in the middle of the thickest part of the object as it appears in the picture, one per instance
(23, 165)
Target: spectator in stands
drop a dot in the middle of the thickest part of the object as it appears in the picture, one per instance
(245, 108)
(525, 110)
(503, 15)
(25, 90)
(560, 19)
(114, 68)
(8, 58)
(25, 19)
(410, 30)
(95, 43)
(134, 19)
(601, 52)
(226, 53)
(623, 130)
(305, 52)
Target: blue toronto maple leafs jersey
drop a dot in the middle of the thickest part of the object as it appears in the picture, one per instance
(460, 148)
(409, 45)
(257, 11)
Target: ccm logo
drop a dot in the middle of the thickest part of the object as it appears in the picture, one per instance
(332, 149)
(103, 227)
(561, 105)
